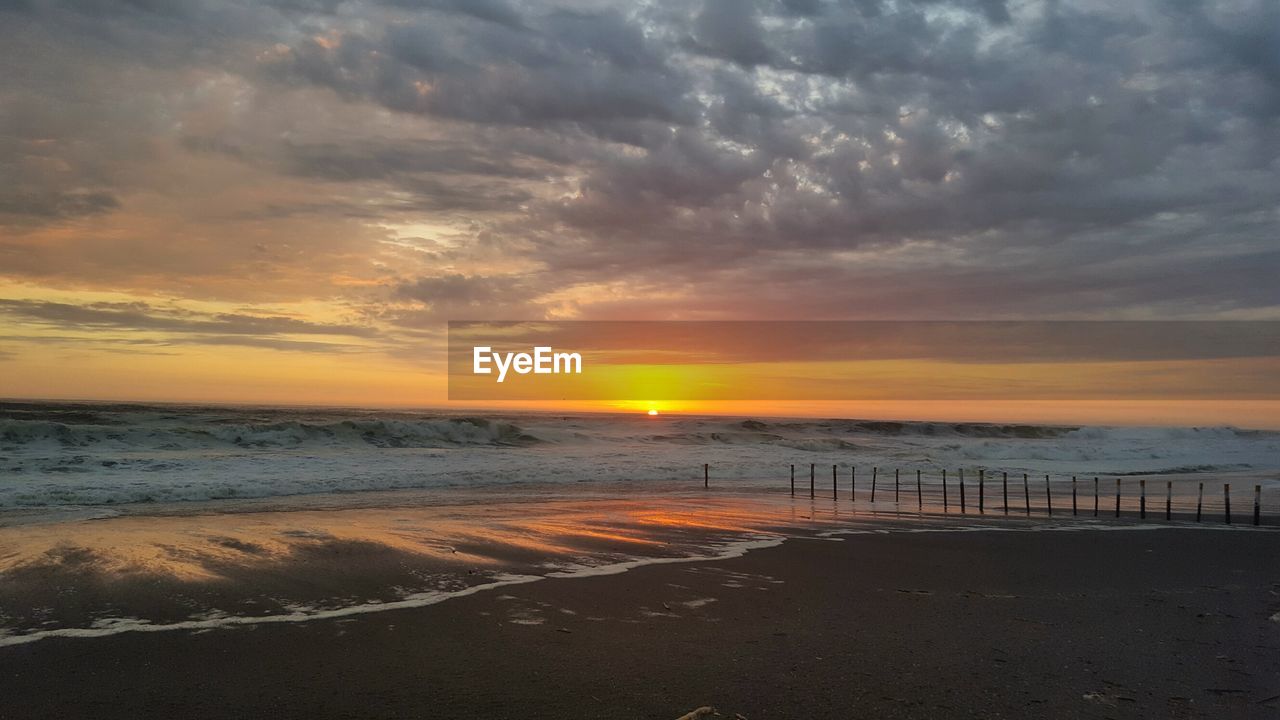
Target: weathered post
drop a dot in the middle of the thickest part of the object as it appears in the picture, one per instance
(895, 486)
(920, 494)
(1117, 497)
(793, 480)
(1257, 504)
(1168, 499)
(853, 479)
(706, 475)
(1073, 496)
(1226, 501)
(1199, 502)
(833, 483)
(875, 473)
(1095, 497)
(1142, 499)
(811, 465)
(1026, 493)
(982, 491)
(946, 501)
(962, 501)
(1004, 483)
(1048, 496)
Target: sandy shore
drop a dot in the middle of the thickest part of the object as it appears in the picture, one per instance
(1089, 623)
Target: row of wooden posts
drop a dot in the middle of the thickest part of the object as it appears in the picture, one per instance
(1026, 491)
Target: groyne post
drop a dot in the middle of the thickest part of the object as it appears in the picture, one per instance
(1226, 501)
(1048, 496)
(1004, 483)
(962, 500)
(920, 494)
(1142, 499)
(1199, 502)
(1073, 496)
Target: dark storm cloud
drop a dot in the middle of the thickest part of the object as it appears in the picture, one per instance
(811, 158)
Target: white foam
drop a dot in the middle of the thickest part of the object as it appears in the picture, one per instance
(147, 456)
(106, 627)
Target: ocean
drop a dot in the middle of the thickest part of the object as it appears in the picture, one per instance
(60, 455)
(143, 518)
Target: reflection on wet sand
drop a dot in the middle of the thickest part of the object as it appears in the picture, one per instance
(172, 566)
(239, 564)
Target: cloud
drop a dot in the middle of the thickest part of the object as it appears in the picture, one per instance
(57, 205)
(460, 297)
(419, 161)
(147, 318)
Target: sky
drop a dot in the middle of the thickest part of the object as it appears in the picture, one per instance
(225, 200)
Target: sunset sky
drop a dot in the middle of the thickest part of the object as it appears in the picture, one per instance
(284, 202)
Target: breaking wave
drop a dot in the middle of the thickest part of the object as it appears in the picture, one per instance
(440, 433)
(61, 455)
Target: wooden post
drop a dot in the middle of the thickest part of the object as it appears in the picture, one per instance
(811, 481)
(1048, 496)
(875, 473)
(920, 494)
(962, 502)
(946, 502)
(1199, 502)
(1004, 484)
(1073, 496)
(1257, 504)
(793, 481)
(895, 486)
(1026, 493)
(706, 475)
(1142, 499)
(853, 478)
(1168, 499)
(834, 495)
(1226, 501)
(982, 491)
(1095, 497)
(1117, 497)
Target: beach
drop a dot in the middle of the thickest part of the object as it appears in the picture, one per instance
(1014, 622)
(247, 562)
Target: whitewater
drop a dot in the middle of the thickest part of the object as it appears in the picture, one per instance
(70, 455)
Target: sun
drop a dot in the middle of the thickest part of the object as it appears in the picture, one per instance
(653, 412)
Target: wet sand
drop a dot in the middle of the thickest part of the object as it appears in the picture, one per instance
(1160, 623)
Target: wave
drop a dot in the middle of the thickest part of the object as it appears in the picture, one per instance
(889, 428)
(221, 433)
(93, 455)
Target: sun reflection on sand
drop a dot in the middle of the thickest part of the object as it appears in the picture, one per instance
(208, 546)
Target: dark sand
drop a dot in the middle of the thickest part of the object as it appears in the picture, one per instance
(1092, 624)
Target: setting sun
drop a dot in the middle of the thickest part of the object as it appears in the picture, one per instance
(653, 412)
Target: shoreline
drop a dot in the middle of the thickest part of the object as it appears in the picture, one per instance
(736, 548)
(905, 624)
